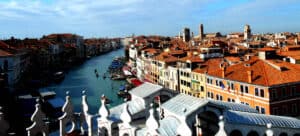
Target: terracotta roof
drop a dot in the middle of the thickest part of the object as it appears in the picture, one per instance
(151, 50)
(4, 53)
(263, 72)
(267, 49)
(192, 59)
(233, 59)
(209, 65)
(3, 45)
(165, 57)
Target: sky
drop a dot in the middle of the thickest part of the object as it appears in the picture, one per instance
(119, 18)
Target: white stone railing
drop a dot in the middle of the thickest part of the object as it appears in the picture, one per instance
(104, 124)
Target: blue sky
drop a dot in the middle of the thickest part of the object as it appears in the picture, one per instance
(112, 18)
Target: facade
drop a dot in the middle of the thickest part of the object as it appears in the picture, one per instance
(66, 41)
(263, 90)
(247, 32)
(198, 88)
(13, 64)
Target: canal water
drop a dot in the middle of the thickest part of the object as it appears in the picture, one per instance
(83, 78)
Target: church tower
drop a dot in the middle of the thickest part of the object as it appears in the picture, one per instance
(247, 32)
(201, 34)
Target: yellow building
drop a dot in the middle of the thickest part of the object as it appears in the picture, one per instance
(198, 88)
(186, 66)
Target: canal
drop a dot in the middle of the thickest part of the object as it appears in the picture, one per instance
(83, 78)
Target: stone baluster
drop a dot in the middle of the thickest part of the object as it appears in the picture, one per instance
(67, 117)
(125, 128)
(183, 129)
(38, 126)
(198, 126)
(4, 126)
(85, 116)
(269, 131)
(104, 124)
(152, 124)
(221, 131)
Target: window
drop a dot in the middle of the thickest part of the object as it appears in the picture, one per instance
(217, 83)
(263, 111)
(229, 100)
(221, 84)
(219, 97)
(294, 91)
(207, 80)
(262, 93)
(202, 88)
(242, 88)
(284, 109)
(283, 92)
(232, 86)
(212, 95)
(188, 84)
(246, 89)
(257, 108)
(208, 94)
(256, 92)
(273, 94)
(275, 111)
(294, 108)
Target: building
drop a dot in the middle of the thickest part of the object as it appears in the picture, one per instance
(186, 34)
(186, 66)
(247, 32)
(13, 64)
(201, 32)
(69, 41)
(264, 83)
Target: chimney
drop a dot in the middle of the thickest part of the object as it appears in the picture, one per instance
(249, 74)
(223, 71)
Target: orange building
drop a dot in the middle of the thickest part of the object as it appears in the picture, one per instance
(271, 86)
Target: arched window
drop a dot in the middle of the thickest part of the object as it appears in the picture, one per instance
(103, 132)
(283, 134)
(252, 133)
(236, 133)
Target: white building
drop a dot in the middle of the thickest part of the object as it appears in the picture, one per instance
(14, 64)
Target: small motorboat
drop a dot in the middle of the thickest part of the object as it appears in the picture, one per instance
(58, 76)
(95, 70)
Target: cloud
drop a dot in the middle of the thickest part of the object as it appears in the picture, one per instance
(122, 17)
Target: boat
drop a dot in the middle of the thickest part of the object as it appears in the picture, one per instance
(95, 70)
(58, 76)
(118, 77)
(127, 98)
